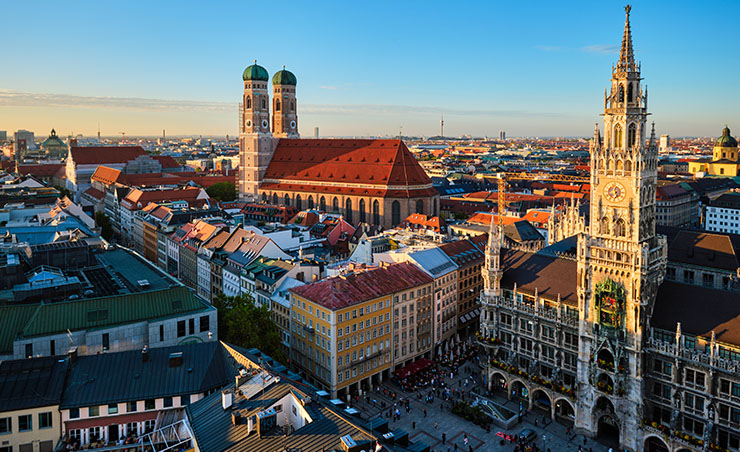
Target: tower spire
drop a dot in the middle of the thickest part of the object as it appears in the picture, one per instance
(626, 54)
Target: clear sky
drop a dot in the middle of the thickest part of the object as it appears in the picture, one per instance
(532, 68)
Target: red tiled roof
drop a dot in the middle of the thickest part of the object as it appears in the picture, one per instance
(345, 290)
(106, 175)
(369, 162)
(138, 198)
(318, 190)
(41, 170)
(549, 276)
(99, 155)
(484, 218)
(95, 193)
(166, 161)
(537, 217)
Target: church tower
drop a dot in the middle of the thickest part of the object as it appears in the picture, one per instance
(621, 261)
(256, 143)
(284, 114)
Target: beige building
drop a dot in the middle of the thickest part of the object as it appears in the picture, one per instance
(724, 160)
(30, 419)
(341, 331)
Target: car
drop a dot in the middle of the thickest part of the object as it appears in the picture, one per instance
(527, 435)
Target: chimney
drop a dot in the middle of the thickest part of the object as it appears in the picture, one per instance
(72, 353)
(145, 354)
(175, 359)
(236, 418)
(226, 400)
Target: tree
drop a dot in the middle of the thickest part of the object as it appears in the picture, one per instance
(63, 192)
(222, 191)
(241, 322)
(103, 222)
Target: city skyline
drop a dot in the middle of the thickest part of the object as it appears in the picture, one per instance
(484, 67)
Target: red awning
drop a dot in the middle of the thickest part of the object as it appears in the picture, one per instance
(412, 368)
(109, 420)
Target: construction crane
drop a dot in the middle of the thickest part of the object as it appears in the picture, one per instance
(501, 200)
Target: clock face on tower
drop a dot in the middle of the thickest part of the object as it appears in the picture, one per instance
(614, 192)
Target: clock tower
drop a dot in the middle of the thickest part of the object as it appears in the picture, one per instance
(621, 262)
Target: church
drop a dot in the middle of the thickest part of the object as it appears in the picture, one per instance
(375, 181)
(624, 334)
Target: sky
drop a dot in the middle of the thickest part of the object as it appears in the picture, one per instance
(531, 68)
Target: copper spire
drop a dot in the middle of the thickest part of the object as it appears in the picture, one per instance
(626, 55)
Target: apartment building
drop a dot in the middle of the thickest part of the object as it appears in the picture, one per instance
(341, 327)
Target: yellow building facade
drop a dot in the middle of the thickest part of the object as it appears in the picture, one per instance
(342, 327)
(724, 161)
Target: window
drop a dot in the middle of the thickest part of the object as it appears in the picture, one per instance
(131, 407)
(24, 423)
(45, 420)
(52, 348)
(181, 328)
(6, 425)
(132, 428)
(662, 367)
(29, 350)
(106, 341)
(204, 324)
(74, 413)
(149, 426)
(93, 411)
(113, 408)
(161, 333)
(167, 402)
(149, 404)
(191, 326)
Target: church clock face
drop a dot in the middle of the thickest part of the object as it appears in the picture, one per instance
(614, 192)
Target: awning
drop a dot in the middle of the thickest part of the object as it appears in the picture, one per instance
(110, 420)
(412, 368)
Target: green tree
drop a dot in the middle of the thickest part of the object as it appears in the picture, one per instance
(222, 191)
(62, 191)
(241, 322)
(103, 222)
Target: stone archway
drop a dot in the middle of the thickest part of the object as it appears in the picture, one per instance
(564, 411)
(498, 381)
(519, 391)
(608, 430)
(654, 443)
(541, 401)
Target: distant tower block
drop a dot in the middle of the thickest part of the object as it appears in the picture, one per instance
(502, 135)
(665, 143)
(316, 132)
(442, 126)
(164, 136)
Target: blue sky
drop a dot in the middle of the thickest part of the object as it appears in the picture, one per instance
(535, 68)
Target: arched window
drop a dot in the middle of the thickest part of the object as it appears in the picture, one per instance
(620, 229)
(621, 93)
(620, 166)
(310, 201)
(287, 199)
(628, 165)
(604, 226)
(322, 204)
(631, 135)
(335, 205)
(264, 104)
(617, 136)
(363, 218)
(420, 206)
(274, 198)
(395, 213)
(298, 203)
(292, 106)
(264, 197)
(249, 102)
(629, 93)
(348, 210)
(376, 212)
(277, 104)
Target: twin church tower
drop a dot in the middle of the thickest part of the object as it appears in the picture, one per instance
(257, 137)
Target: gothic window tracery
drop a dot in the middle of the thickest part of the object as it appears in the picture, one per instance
(630, 95)
(620, 229)
(617, 136)
(604, 226)
(632, 135)
(249, 102)
(628, 165)
(277, 104)
(621, 93)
